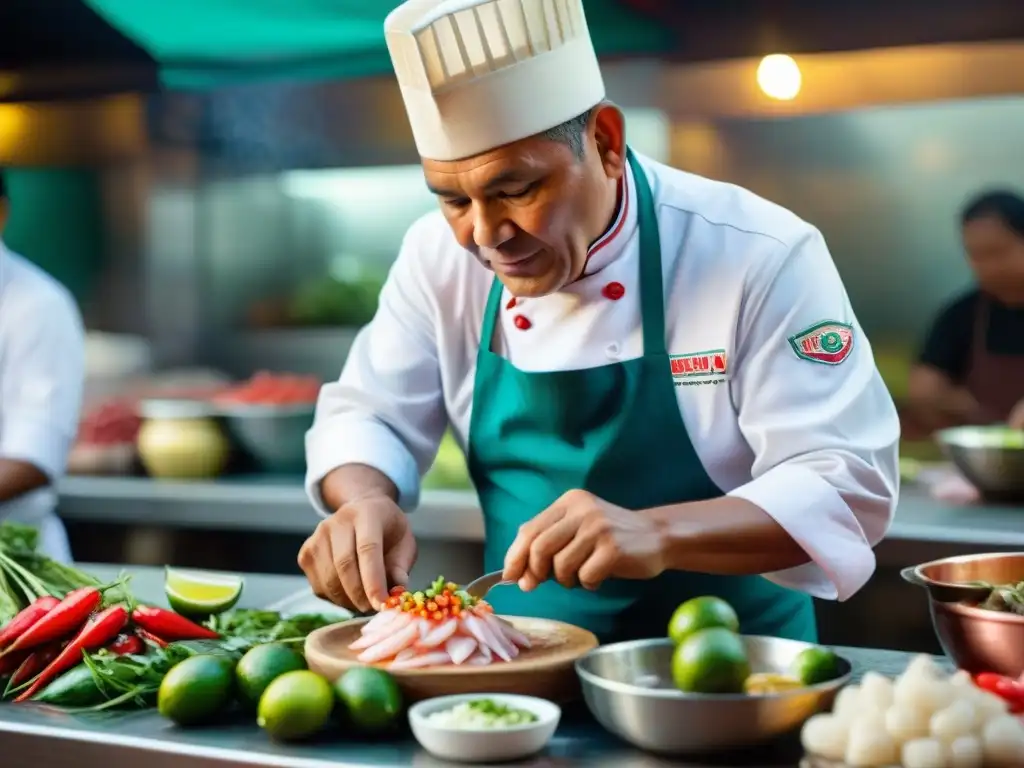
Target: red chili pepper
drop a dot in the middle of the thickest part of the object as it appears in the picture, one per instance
(24, 620)
(150, 637)
(126, 644)
(33, 664)
(11, 662)
(1006, 688)
(97, 632)
(170, 625)
(61, 621)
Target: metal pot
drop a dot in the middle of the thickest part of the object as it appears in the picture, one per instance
(991, 458)
(976, 639)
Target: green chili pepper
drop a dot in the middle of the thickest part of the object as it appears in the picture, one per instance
(75, 688)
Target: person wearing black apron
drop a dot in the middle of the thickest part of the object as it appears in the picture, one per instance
(658, 381)
(971, 369)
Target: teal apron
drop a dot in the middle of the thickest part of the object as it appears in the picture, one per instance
(615, 431)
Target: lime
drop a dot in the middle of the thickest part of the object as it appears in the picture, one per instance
(197, 690)
(192, 593)
(260, 667)
(701, 613)
(371, 697)
(295, 705)
(711, 661)
(815, 665)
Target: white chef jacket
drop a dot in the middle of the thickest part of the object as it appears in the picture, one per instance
(42, 368)
(813, 444)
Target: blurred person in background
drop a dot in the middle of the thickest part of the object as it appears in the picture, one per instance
(42, 369)
(971, 369)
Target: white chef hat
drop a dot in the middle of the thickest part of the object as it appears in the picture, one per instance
(478, 74)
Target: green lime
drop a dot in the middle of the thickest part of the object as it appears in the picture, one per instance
(295, 705)
(711, 661)
(815, 665)
(260, 667)
(192, 593)
(371, 697)
(701, 613)
(197, 690)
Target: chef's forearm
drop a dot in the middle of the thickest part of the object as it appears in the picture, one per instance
(726, 536)
(18, 478)
(353, 482)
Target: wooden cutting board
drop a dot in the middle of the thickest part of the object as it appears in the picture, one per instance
(546, 670)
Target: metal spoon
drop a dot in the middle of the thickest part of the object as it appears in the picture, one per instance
(479, 587)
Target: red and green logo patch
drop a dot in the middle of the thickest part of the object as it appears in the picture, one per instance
(709, 367)
(828, 343)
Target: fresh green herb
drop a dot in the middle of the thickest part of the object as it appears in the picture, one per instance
(26, 575)
(259, 627)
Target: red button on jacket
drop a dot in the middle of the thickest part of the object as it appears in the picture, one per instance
(614, 291)
(522, 323)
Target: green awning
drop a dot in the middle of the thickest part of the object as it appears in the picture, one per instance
(201, 44)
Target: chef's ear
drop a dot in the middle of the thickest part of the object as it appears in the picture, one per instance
(608, 127)
(4, 208)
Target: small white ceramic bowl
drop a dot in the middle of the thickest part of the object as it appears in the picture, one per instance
(481, 745)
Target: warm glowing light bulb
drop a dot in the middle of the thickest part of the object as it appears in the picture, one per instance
(779, 76)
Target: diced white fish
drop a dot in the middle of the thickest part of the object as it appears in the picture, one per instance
(470, 625)
(430, 659)
(438, 634)
(381, 620)
(425, 627)
(373, 636)
(391, 645)
(513, 634)
(408, 653)
(494, 628)
(486, 637)
(479, 659)
(460, 648)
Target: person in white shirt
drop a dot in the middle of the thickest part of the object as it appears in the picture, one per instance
(658, 379)
(42, 369)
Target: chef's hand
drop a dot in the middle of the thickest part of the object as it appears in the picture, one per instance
(1016, 420)
(583, 538)
(353, 554)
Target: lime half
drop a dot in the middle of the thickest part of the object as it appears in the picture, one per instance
(194, 593)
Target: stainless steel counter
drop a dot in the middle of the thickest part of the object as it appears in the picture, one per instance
(256, 503)
(279, 505)
(38, 737)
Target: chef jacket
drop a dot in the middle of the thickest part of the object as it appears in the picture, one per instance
(804, 429)
(42, 369)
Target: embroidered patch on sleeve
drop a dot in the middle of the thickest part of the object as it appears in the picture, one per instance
(828, 343)
(699, 368)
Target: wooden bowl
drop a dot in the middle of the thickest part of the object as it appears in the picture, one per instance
(546, 670)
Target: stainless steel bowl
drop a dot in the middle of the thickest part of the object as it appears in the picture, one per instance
(989, 458)
(274, 435)
(628, 688)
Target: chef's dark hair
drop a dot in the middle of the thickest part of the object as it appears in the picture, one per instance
(1002, 204)
(571, 133)
(3, 185)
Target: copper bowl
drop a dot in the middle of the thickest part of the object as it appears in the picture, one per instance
(976, 639)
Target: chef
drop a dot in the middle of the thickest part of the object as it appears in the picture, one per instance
(971, 369)
(658, 380)
(42, 369)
